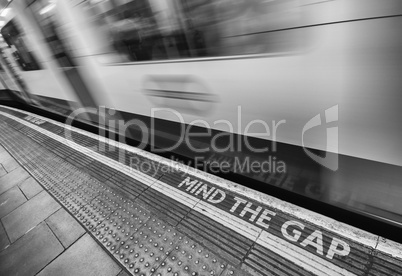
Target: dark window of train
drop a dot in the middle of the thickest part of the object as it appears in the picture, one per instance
(17, 42)
(153, 30)
(50, 27)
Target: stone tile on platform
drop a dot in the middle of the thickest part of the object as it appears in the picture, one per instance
(7, 161)
(2, 170)
(31, 253)
(12, 179)
(11, 200)
(85, 257)
(10, 164)
(4, 155)
(30, 187)
(28, 215)
(65, 227)
(4, 241)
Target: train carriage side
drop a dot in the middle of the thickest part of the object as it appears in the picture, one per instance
(258, 69)
(314, 55)
(265, 69)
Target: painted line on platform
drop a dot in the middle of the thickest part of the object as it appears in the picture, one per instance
(287, 250)
(352, 233)
(344, 230)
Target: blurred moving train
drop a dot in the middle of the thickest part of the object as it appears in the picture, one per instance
(313, 86)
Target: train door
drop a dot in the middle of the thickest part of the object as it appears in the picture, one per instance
(3, 85)
(31, 71)
(14, 55)
(8, 76)
(3, 76)
(45, 17)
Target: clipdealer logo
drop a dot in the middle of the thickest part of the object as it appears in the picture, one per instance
(330, 160)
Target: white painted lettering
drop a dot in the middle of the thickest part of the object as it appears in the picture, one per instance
(316, 235)
(215, 200)
(296, 233)
(196, 187)
(205, 191)
(188, 183)
(334, 248)
(263, 217)
(248, 209)
(238, 202)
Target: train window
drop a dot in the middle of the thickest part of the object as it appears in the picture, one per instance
(17, 42)
(239, 27)
(44, 13)
(143, 30)
(132, 28)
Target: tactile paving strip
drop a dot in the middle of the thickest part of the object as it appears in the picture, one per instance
(142, 243)
(188, 258)
(94, 213)
(131, 187)
(148, 247)
(81, 196)
(120, 224)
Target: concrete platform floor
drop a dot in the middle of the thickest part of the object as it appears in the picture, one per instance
(39, 237)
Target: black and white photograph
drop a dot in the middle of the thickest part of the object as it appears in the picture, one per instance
(201, 137)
